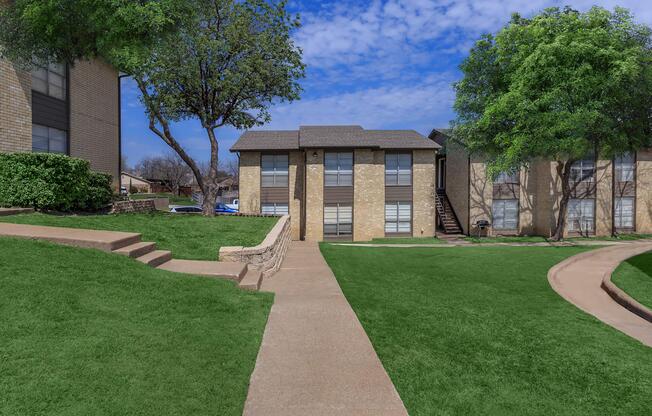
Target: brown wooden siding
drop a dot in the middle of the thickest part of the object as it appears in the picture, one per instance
(506, 191)
(338, 195)
(275, 195)
(398, 193)
(50, 112)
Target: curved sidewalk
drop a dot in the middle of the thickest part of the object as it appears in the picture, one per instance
(315, 358)
(579, 278)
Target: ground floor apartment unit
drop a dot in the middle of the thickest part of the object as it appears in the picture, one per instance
(340, 182)
(73, 110)
(610, 196)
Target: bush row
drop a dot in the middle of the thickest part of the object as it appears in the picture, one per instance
(47, 181)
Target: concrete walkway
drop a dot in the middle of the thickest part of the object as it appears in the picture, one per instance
(579, 278)
(316, 358)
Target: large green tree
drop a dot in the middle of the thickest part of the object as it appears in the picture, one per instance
(221, 62)
(561, 85)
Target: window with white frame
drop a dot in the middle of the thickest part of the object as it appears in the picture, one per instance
(274, 170)
(581, 215)
(338, 220)
(625, 167)
(505, 214)
(507, 177)
(338, 169)
(49, 140)
(624, 212)
(398, 217)
(50, 80)
(398, 169)
(583, 170)
(274, 209)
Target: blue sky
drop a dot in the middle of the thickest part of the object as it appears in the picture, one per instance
(380, 64)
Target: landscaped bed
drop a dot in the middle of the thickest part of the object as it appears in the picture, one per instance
(89, 333)
(187, 236)
(634, 276)
(479, 331)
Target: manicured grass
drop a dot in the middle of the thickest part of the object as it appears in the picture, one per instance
(479, 331)
(634, 276)
(89, 333)
(404, 240)
(505, 239)
(174, 199)
(620, 237)
(188, 236)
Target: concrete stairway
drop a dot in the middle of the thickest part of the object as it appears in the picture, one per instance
(130, 245)
(446, 213)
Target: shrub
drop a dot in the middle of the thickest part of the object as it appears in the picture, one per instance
(49, 181)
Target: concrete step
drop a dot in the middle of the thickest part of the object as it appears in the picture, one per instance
(224, 270)
(136, 250)
(156, 258)
(251, 280)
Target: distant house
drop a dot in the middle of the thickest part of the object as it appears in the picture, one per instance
(131, 181)
(228, 190)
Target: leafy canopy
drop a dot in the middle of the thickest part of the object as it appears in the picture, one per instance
(559, 85)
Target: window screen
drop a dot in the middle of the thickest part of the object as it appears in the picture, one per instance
(505, 214)
(398, 169)
(338, 169)
(625, 167)
(507, 177)
(274, 209)
(338, 220)
(624, 213)
(274, 171)
(581, 215)
(49, 140)
(50, 80)
(398, 217)
(583, 170)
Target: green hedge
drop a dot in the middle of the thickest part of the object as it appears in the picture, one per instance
(49, 181)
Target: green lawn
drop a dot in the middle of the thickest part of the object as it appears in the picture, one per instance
(89, 333)
(403, 240)
(479, 331)
(187, 236)
(505, 239)
(634, 276)
(174, 199)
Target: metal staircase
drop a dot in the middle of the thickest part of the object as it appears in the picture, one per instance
(446, 213)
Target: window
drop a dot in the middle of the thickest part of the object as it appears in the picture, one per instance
(398, 217)
(507, 177)
(274, 171)
(338, 220)
(48, 140)
(583, 170)
(581, 215)
(505, 214)
(398, 169)
(625, 167)
(338, 169)
(624, 213)
(274, 209)
(50, 81)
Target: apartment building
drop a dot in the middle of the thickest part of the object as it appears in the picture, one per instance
(340, 182)
(610, 196)
(73, 110)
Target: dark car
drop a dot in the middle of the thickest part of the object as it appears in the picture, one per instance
(222, 208)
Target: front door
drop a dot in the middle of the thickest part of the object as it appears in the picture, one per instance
(441, 173)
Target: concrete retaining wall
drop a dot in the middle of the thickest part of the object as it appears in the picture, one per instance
(143, 205)
(266, 256)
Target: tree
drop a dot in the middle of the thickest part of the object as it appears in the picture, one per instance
(170, 169)
(560, 86)
(221, 62)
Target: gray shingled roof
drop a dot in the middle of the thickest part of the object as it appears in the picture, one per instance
(331, 137)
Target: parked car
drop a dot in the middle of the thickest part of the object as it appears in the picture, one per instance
(234, 205)
(223, 208)
(186, 210)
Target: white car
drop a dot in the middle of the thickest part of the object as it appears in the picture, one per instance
(186, 210)
(234, 205)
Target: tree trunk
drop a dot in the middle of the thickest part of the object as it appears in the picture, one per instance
(563, 172)
(210, 188)
(210, 196)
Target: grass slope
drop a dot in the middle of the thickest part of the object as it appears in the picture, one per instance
(187, 236)
(634, 276)
(89, 333)
(478, 331)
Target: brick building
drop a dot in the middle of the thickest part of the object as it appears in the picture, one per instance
(340, 182)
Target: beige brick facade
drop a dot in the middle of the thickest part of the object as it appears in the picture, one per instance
(457, 182)
(15, 109)
(250, 183)
(296, 173)
(368, 194)
(315, 195)
(94, 115)
(423, 182)
(480, 194)
(644, 192)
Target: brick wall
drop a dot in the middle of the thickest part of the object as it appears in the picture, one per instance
(315, 196)
(296, 192)
(142, 205)
(368, 194)
(604, 198)
(249, 182)
(94, 116)
(423, 183)
(457, 182)
(644, 192)
(15, 109)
